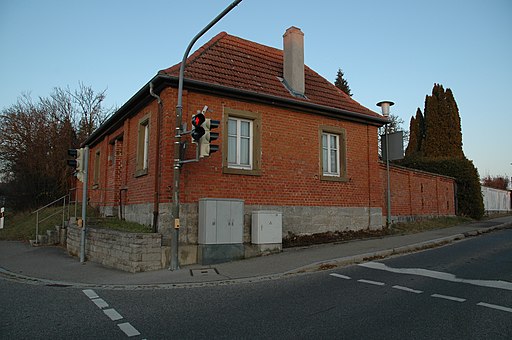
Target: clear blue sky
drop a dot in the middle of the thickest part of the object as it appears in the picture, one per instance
(388, 50)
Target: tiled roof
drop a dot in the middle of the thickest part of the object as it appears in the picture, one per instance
(237, 63)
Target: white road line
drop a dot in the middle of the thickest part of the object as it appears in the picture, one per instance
(376, 283)
(128, 329)
(439, 275)
(112, 314)
(91, 294)
(446, 297)
(100, 303)
(341, 276)
(406, 289)
(489, 305)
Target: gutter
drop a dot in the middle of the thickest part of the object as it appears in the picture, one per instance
(156, 195)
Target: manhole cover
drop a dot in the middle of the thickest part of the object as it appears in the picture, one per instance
(204, 272)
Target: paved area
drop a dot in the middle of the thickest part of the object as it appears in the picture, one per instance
(53, 266)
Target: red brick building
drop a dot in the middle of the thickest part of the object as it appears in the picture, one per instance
(289, 140)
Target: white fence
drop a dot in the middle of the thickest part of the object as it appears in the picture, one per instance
(496, 200)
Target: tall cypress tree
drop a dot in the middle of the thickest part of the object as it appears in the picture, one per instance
(443, 137)
(417, 133)
(342, 83)
(435, 145)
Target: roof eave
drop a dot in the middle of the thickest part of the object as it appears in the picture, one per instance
(275, 100)
(160, 81)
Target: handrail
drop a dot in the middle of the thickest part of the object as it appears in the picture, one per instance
(46, 206)
(63, 198)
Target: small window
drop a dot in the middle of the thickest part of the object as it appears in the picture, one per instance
(241, 142)
(143, 147)
(333, 164)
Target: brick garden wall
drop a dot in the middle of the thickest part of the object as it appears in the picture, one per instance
(417, 193)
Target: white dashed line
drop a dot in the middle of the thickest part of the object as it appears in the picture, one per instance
(488, 305)
(112, 314)
(341, 276)
(446, 297)
(128, 329)
(91, 294)
(376, 283)
(100, 303)
(406, 289)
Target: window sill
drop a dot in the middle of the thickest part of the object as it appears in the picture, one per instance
(239, 171)
(333, 178)
(140, 173)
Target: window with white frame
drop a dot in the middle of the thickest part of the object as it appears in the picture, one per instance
(332, 154)
(240, 143)
(143, 147)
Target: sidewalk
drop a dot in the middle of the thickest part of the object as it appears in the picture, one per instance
(53, 266)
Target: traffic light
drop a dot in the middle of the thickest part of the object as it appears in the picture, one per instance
(197, 130)
(78, 162)
(206, 149)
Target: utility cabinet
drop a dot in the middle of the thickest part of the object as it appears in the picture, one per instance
(221, 221)
(267, 227)
(220, 230)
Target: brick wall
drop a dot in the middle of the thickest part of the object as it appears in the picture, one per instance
(417, 193)
(290, 162)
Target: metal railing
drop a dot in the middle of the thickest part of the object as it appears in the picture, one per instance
(40, 210)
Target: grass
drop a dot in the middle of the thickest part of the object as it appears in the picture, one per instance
(22, 226)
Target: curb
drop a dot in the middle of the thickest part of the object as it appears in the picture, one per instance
(381, 254)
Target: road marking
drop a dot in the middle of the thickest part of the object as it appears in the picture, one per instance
(112, 314)
(489, 305)
(376, 283)
(100, 303)
(128, 329)
(446, 297)
(91, 294)
(406, 289)
(341, 276)
(439, 275)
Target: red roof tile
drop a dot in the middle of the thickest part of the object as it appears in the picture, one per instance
(234, 62)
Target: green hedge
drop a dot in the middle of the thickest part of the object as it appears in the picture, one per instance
(469, 193)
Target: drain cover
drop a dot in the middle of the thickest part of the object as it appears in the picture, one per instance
(204, 272)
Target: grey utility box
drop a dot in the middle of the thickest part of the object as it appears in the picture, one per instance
(221, 221)
(267, 227)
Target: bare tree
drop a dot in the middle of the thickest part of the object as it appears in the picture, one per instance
(35, 136)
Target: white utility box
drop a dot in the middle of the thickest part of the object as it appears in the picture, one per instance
(267, 227)
(221, 221)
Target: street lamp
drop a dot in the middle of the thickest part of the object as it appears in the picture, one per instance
(384, 106)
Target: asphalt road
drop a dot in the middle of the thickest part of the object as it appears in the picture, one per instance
(459, 291)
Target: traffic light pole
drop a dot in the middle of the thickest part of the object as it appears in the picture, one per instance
(177, 143)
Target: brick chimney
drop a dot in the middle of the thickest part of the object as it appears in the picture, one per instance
(293, 60)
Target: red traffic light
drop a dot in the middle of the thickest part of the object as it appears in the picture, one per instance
(198, 131)
(198, 119)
